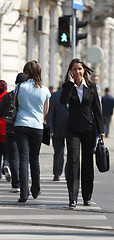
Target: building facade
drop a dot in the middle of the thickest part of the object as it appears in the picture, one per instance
(29, 30)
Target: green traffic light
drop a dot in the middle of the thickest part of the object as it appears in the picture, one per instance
(64, 37)
(64, 31)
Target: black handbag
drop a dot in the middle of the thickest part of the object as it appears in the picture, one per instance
(10, 111)
(102, 157)
(46, 134)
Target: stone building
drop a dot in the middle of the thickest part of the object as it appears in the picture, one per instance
(29, 30)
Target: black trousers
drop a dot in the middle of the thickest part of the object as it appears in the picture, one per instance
(87, 141)
(58, 158)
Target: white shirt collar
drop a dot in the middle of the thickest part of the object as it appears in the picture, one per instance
(83, 83)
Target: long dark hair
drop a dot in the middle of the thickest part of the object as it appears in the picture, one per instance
(86, 72)
(32, 69)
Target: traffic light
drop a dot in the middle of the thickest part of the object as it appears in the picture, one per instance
(64, 31)
(80, 24)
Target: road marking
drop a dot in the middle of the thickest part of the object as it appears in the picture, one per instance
(54, 196)
(41, 205)
(55, 217)
(55, 236)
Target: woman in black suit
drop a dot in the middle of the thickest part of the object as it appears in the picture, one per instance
(81, 95)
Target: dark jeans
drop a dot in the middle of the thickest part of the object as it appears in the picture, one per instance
(29, 143)
(4, 154)
(13, 159)
(87, 141)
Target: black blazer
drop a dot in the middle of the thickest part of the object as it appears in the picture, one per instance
(82, 116)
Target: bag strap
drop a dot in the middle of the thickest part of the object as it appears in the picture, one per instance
(16, 91)
(11, 94)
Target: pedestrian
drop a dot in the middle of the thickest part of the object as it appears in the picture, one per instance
(11, 141)
(81, 95)
(95, 79)
(51, 89)
(57, 120)
(5, 167)
(107, 110)
(33, 104)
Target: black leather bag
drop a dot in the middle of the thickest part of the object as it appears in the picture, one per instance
(46, 134)
(102, 157)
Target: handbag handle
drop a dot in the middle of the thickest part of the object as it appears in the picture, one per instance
(102, 137)
(101, 141)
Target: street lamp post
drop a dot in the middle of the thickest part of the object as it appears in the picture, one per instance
(73, 33)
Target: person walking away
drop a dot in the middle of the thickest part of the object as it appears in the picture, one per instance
(95, 79)
(5, 168)
(11, 140)
(57, 120)
(82, 96)
(33, 104)
(107, 110)
(51, 89)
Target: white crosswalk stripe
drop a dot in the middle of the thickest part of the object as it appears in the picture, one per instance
(56, 217)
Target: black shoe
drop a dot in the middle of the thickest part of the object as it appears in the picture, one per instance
(56, 178)
(87, 203)
(72, 204)
(35, 196)
(22, 200)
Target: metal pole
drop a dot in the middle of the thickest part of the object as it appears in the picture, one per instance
(74, 33)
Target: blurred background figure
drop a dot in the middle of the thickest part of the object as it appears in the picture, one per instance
(4, 167)
(57, 120)
(12, 147)
(95, 79)
(107, 110)
(51, 89)
(11, 140)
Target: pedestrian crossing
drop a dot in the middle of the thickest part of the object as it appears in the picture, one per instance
(49, 216)
(48, 233)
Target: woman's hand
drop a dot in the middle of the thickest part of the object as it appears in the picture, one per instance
(70, 77)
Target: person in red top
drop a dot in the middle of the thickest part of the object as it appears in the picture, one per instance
(3, 147)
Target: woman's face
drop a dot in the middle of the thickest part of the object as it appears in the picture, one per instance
(78, 72)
